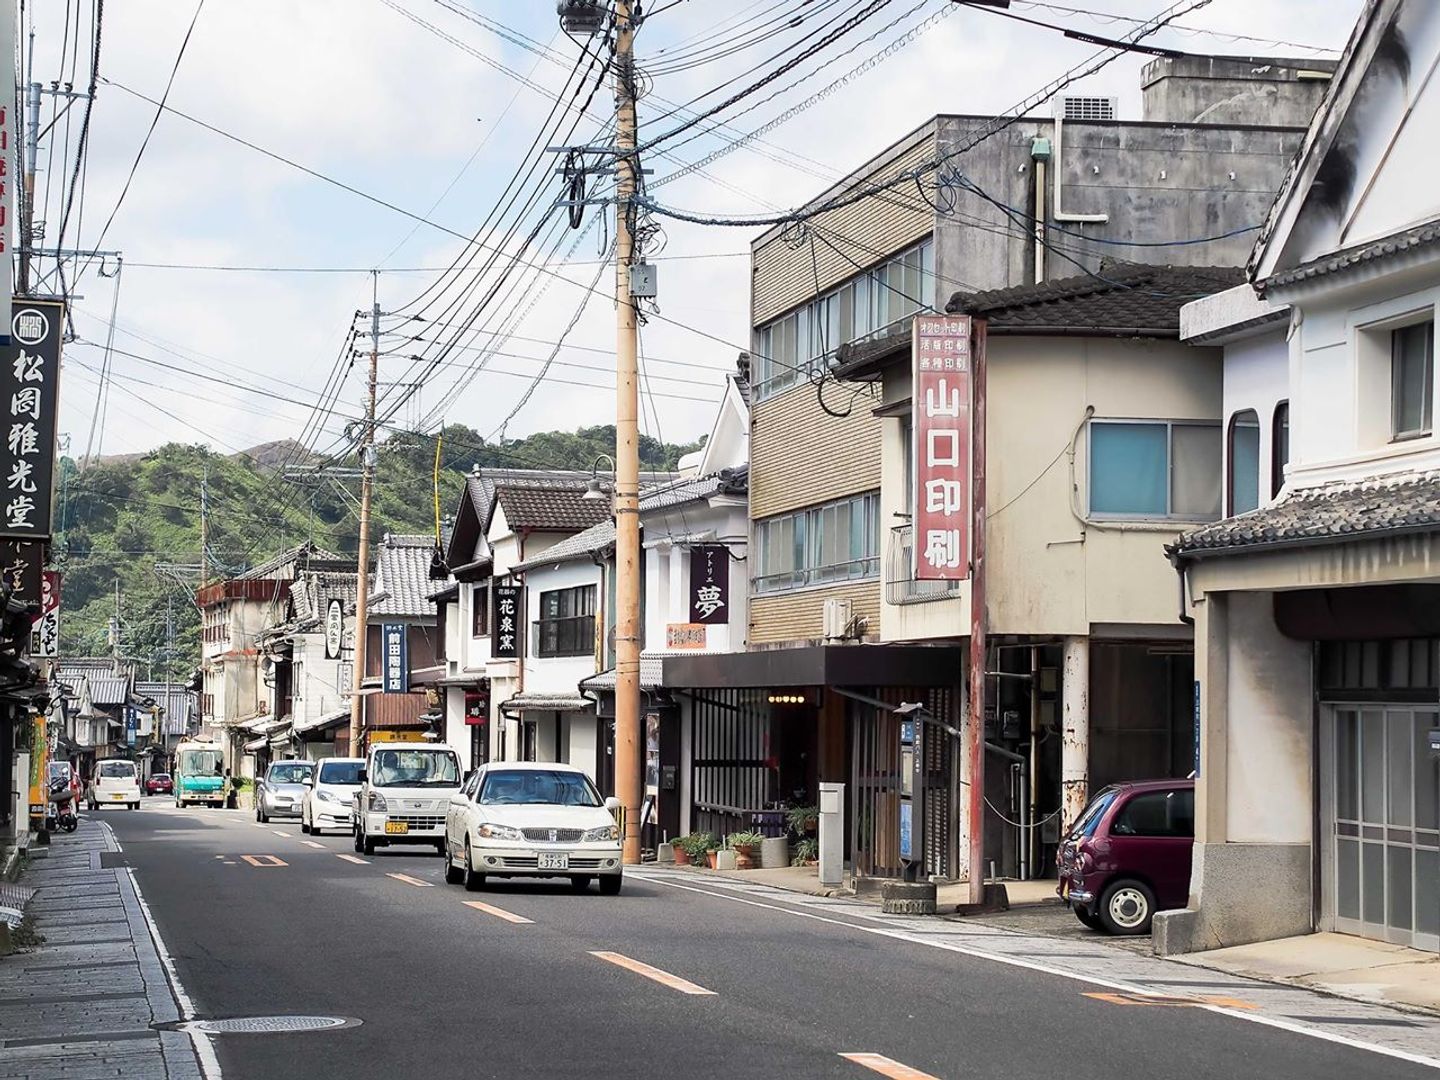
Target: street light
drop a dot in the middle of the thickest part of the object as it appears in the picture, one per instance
(582, 16)
(594, 490)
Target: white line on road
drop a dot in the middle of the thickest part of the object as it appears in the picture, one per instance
(1074, 976)
(499, 913)
(412, 881)
(355, 859)
(259, 825)
(312, 843)
(280, 832)
(888, 1067)
(664, 978)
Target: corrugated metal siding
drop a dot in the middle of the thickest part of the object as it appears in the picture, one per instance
(784, 275)
(800, 455)
(798, 617)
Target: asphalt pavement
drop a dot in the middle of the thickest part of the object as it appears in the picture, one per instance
(676, 977)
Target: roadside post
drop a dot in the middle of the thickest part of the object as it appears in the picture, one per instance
(832, 834)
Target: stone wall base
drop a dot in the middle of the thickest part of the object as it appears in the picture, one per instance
(1240, 893)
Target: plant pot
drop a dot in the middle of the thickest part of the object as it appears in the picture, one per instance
(747, 856)
(774, 853)
(725, 859)
(682, 857)
(710, 858)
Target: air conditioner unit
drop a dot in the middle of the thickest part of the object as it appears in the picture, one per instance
(838, 615)
(1082, 107)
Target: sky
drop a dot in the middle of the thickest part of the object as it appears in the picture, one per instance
(431, 106)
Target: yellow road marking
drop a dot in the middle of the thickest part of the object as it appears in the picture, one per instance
(412, 881)
(887, 1067)
(254, 860)
(664, 978)
(312, 843)
(1168, 1002)
(499, 913)
(355, 859)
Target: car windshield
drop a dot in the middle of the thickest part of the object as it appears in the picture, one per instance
(545, 787)
(161, 776)
(340, 772)
(290, 772)
(201, 762)
(1090, 819)
(415, 768)
(117, 770)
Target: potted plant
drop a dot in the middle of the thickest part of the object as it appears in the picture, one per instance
(712, 857)
(747, 849)
(682, 857)
(803, 820)
(807, 853)
(697, 845)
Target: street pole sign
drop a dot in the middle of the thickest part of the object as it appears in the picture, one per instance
(940, 426)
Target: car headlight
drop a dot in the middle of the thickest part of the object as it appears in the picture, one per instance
(500, 832)
(325, 796)
(377, 802)
(604, 832)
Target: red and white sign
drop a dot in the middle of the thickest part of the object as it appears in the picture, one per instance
(940, 407)
(45, 632)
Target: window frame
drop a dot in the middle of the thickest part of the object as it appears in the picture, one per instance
(1169, 424)
(480, 611)
(1163, 796)
(569, 633)
(798, 539)
(1231, 428)
(1279, 420)
(1427, 428)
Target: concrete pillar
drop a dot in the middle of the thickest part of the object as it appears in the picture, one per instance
(1075, 728)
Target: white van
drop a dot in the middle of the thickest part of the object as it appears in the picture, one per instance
(116, 781)
(405, 789)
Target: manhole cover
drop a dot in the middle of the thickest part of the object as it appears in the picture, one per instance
(267, 1025)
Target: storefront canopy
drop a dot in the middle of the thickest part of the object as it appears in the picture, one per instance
(523, 703)
(327, 722)
(820, 665)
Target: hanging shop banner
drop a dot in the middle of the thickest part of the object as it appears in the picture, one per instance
(9, 173)
(39, 765)
(334, 629)
(941, 430)
(709, 584)
(395, 654)
(505, 632)
(22, 566)
(477, 708)
(45, 634)
(29, 396)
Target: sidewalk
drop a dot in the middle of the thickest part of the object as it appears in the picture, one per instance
(81, 1003)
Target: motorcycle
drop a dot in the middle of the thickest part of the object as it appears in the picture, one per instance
(61, 797)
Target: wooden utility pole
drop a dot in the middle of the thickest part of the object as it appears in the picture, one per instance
(204, 523)
(362, 568)
(973, 742)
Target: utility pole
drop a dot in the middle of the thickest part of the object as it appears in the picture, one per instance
(204, 521)
(367, 482)
(27, 206)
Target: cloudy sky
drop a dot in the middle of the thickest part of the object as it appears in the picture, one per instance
(432, 106)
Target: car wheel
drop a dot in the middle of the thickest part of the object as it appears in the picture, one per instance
(304, 826)
(453, 874)
(580, 882)
(610, 885)
(473, 882)
(367, 845)
(359, 844)
(440, 847)
(1087, 917)
(1126, 907)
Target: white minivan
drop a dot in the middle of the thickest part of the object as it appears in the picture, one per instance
(329, 795)
(405, 789)
(116, 782)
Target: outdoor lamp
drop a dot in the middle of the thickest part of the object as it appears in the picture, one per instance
(594, 489)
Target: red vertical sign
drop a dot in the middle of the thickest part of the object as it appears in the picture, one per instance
(940, 408)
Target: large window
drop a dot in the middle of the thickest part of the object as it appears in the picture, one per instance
(838, 541)
(480, 613)
(1279, 447)
(1155, 469)
(1157, 813)
(1243, 483)
(804, 341)
(567, 622)
(1412, 380)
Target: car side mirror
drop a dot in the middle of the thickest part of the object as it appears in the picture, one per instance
(364, 776)
(309, 782)
(612, 804)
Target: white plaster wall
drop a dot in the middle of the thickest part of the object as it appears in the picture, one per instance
(561, 674)
(1270, 747)
(723, 520)
(582, 739)
(1257, 376)
(546, 746)
(474, 653)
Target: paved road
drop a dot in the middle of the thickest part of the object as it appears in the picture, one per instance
(746, 982)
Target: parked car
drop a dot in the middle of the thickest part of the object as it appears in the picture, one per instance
(531, 820)
(1129, 855)
(329, 797)
(159, 784)
(404, 789)
(282, 789)
(116, 782)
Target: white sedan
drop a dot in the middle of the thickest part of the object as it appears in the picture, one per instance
(523, 819)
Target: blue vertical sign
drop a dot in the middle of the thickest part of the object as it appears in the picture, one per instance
(395, 659)
(1197, 729)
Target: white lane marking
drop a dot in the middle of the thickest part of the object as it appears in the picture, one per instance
(412, 881)
(664, 978)
(280, 832)
(312, 843)
(1073, 976)
(355, 859)
(259, 825)
(888, 1067)
(499, 913)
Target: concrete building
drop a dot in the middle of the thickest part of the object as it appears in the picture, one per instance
(1316, 623)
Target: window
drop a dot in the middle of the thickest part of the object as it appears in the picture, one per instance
(1279, 447)
(480, 615)
(838, 541)
(1155, 468)
(1157, 813)
(538, 787)
(1412, 380)
(567, 622)
(1242, 489)
(805, 340)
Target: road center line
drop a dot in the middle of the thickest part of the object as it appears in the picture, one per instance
(887, 1067)
(355, 859)
(312, 843)
(412, 881)
(664, 978)
(499, 913)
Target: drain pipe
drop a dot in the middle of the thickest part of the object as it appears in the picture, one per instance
(1040, 155)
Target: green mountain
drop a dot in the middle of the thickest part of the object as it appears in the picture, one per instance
(128, 528)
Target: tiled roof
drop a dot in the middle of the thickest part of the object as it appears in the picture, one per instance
(551, 508)
(1128, 300)
(650, 671)
(303, 554)
(402, 576)
(580, 546)
(664, 496)
(312, 593)
(1352, 510)
(1407, 240)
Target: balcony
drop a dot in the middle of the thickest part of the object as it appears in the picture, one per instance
(901, 586)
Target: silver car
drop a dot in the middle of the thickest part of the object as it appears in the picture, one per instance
(281, 793)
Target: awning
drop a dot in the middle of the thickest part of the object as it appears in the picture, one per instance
(472, 679)
(650, 671)
(522, 703)
(280, 733)
(820, 665)
(255, 745)
(253, 723)
(328, 722)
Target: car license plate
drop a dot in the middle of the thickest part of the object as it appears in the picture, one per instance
(393, 827)
(118, 798)
(550, 861)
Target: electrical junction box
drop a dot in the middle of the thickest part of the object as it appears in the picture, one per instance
(643, 281)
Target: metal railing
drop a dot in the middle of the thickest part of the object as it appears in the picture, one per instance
(901, 586)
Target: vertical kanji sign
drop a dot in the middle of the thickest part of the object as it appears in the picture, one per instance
(505, 627)
(396, 669)
(45, 633)
(29, 396)
(709, 584)
(940, 406)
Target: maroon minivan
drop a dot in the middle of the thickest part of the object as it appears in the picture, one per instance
(1129, 855)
